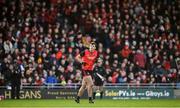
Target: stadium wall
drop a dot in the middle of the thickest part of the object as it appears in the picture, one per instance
(177, 93)
(109, 93)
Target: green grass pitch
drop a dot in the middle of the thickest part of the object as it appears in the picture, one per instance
(60, 103)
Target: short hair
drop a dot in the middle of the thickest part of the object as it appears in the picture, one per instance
(93, 43)
(100, 59)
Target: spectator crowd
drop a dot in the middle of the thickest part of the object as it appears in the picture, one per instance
(139, 40)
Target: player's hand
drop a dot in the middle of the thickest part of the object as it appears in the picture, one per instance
(82, 61)
(103, 79)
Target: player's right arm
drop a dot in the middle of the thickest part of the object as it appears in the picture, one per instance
(79, 57)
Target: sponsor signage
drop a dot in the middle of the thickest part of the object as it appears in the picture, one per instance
(138, 93)
(108, 93)
(42, 93)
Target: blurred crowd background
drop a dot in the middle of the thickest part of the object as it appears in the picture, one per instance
(138, 39)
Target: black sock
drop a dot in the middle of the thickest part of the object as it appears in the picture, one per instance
(94, 95)
(78, 97)
(90, 98)
(101, 95)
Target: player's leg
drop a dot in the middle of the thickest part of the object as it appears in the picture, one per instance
(95, 89)
(17, 91)
(13, 91)
(94, 92)
(90, 88)
(81, 91)
(101, 91)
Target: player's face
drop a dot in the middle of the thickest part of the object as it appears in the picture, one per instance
(99, 62)
(92, 47)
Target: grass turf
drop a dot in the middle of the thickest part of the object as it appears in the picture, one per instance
(58, 103)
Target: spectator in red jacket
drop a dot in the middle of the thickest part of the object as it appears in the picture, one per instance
(139, 59)
(126, 51)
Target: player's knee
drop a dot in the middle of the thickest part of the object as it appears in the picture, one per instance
(91, 86)
(83, 87)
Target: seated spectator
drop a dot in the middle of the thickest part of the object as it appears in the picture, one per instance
(51, 78)
(38, 81)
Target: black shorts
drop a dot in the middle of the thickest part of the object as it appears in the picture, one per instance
(98, 82)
